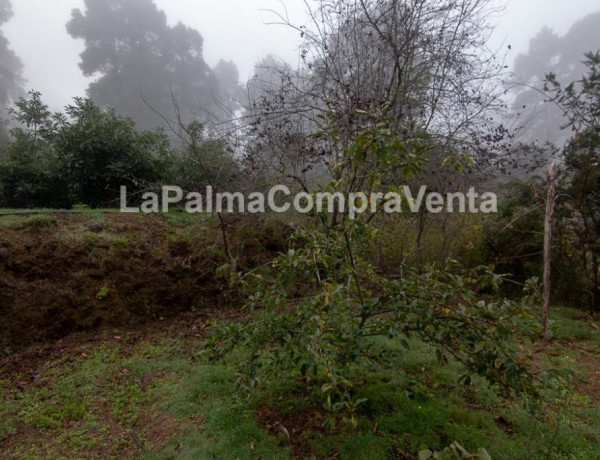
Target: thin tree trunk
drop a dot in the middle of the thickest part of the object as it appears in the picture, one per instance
(420, 236)
(548, 248)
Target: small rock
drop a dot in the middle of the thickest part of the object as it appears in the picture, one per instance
(9, 283)
(97, 227)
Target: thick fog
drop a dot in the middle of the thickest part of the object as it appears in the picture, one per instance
(234, 30)
(241, 31)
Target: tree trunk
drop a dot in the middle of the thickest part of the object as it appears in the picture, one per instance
(548, 249)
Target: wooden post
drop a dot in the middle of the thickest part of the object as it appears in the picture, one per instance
(548, 248)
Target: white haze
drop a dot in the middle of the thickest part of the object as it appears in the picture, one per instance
(234, 30)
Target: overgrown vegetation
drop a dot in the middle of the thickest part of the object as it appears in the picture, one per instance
(146, 393)
(86, 154)
(515, 239)
(331, 335)
(318, 316)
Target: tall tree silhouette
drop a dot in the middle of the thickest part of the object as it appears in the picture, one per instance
(11, 68)
(419, 65)
(561, 56)
(143, 64)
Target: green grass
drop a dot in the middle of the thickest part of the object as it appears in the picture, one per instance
(10, 221)
(95, 403)
(28, 218)
(227, 428)
(156, 397)
(418, 404)
(571, 324)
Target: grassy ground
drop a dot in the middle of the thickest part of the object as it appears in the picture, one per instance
(149, 393)
(146, 389)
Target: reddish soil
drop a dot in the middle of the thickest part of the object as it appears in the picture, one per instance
(587, 372)
(26, 369)
(295, 429)
(77, 274)
(588, 366)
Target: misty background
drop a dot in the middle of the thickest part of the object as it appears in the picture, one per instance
(235, 30)
(251, 71)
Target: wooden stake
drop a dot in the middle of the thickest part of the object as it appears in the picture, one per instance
(548, 248)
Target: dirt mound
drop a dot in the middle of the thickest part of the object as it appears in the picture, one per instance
(62, 273)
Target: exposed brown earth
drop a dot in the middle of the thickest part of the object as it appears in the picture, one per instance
(64, 273)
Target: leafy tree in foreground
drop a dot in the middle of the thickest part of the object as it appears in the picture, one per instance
(326, 315)
(421, 66)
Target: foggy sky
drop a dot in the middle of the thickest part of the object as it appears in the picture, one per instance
(234, 30)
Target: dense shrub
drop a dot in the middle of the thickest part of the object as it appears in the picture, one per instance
(87, 153)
